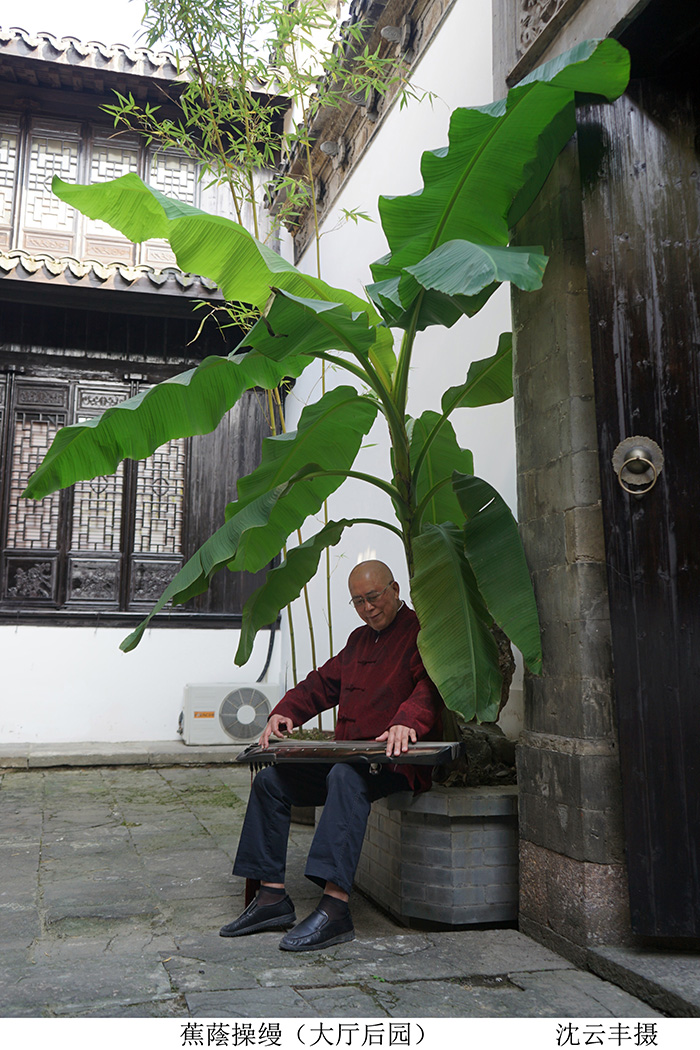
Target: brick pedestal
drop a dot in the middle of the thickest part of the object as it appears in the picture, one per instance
(449, 855)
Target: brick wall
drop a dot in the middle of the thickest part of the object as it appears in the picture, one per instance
(448, 856)
(573, 891)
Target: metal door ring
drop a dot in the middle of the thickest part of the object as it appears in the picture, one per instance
(640, 491)
(634, 457)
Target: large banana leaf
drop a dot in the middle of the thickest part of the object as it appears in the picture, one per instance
(454, 280)
(292, 325)
(463, 268)
(285, 583)
(488, 381)
(297, 472)
(325, 445)
(209, 245)
(193, 578)
(494, 551)
(455, 639)
(193, 402)
(394, 298)
(214, 247)
(441, 458)
(497, 161)
(329, 434)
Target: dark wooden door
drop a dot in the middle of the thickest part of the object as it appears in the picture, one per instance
(641, 176)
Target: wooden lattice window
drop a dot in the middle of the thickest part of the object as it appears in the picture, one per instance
(110, 543)
(35, 148)
(109, 546)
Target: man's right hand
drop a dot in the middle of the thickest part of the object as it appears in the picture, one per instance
(277, 724)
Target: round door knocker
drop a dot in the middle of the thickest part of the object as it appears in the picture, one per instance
(638, 461)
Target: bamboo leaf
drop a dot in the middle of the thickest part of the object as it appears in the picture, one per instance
(283, 584)
(193, 402)
(494, 551)
(455, 640)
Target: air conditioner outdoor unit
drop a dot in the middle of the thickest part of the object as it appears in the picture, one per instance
(226, 713)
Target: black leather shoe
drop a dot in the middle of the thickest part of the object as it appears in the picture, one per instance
(318, 931)
(261, 917)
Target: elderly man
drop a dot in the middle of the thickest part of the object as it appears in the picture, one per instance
(383, 692)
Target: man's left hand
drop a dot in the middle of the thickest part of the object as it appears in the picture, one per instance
(397, 739)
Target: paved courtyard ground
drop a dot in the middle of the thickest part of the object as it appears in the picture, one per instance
(115, 881)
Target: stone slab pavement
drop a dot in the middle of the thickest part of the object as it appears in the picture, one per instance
(116, 879)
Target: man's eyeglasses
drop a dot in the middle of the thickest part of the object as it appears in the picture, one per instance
(369, 599)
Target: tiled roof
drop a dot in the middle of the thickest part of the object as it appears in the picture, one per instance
(68, 50)
(20, 265)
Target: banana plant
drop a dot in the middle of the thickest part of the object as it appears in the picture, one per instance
(448, 252)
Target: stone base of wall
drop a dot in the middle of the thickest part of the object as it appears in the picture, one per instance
(449, 855)
(572, 905)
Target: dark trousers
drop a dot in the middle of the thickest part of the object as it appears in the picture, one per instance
(345, 791)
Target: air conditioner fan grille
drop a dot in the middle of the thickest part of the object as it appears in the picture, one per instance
(243, 713)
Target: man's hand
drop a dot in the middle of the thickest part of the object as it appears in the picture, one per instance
(277, 724)
(397, 739)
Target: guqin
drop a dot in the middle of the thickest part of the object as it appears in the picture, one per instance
(369, 752)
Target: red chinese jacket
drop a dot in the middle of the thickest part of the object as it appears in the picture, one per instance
(378, 680)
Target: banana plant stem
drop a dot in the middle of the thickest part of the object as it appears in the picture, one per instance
(420, 509)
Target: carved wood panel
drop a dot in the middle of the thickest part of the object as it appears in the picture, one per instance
(33, 218)
(112, 543)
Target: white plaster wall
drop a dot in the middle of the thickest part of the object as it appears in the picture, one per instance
(457, 67)
(61, 685)
(74, 684)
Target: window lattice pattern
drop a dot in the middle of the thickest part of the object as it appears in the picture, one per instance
(31, 525)
(48, 157)
(159, 501)
(97, 513)
(175, 175)
(8, 169)
(111, 544)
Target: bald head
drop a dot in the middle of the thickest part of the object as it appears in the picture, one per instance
(376, 569)
(375, 593)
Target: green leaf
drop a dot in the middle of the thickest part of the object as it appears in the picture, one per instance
(592, 67)
(291, 325)
(497, 160)
(328, 437)
(193, 402)
(488, 381)
(455, 640)
(443, 456)
(193, 578)
(385, 296)
(382, 354)
(495, 554)
(436, 307)
(277, 497)
(283, 584)
(463, 268)
(209, 245)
